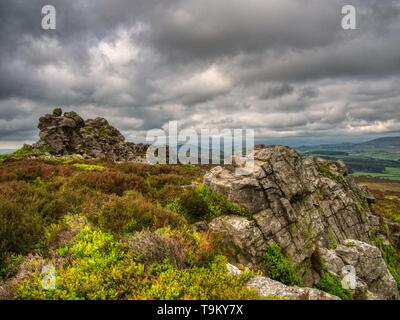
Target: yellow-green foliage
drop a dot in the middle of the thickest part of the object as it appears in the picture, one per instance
(24, 152)
(117, 233)
(89, 167)
(95, 266)
(199, 283)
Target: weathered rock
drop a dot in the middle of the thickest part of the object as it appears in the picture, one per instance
(242, 190)
(370, 268)
(95, 138)
(267, 287)
(300, 204)
(240, 238)
(296, 202)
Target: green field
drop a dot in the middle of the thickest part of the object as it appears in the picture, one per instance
(389, 173)
(361, 161)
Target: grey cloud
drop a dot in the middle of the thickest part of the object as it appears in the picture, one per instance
(284, 67)
(277, 91)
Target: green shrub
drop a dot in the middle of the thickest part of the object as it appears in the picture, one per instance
(278, 267)
(54, 209)
(211, 282)
(95, 266)
(9, 265)
(331, 284)
(203, 203)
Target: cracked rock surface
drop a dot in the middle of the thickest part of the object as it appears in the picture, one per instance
(301, 204)
(68, 134)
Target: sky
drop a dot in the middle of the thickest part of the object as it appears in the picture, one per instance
(285, 68)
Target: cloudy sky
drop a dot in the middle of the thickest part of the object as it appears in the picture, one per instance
(283, 67)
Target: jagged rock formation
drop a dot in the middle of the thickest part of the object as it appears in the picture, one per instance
(300, 204)
(69, 134)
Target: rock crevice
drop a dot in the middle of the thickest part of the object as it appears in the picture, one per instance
(300, 204)
(68, 134)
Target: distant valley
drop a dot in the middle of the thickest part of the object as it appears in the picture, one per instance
(378, 158)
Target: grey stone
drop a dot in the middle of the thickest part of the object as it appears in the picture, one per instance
(94, 138)
(267, 287)
(295, 203)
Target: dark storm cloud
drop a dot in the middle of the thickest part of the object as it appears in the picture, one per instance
(284, 67)
(277, 91)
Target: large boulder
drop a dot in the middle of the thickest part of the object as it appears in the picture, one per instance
(95, 138)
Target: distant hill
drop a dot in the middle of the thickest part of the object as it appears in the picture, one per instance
(382, 143)
(380, 157)
(385, 143)
(6, 151)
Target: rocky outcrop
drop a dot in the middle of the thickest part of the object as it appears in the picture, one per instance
(267, 287)
(300, 204)
(372, 277)
(69, 134)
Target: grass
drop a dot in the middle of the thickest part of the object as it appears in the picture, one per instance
(24, 152)
(89, 167)
(387, 197)
(389, 173)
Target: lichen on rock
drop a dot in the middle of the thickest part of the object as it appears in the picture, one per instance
(302, 205)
